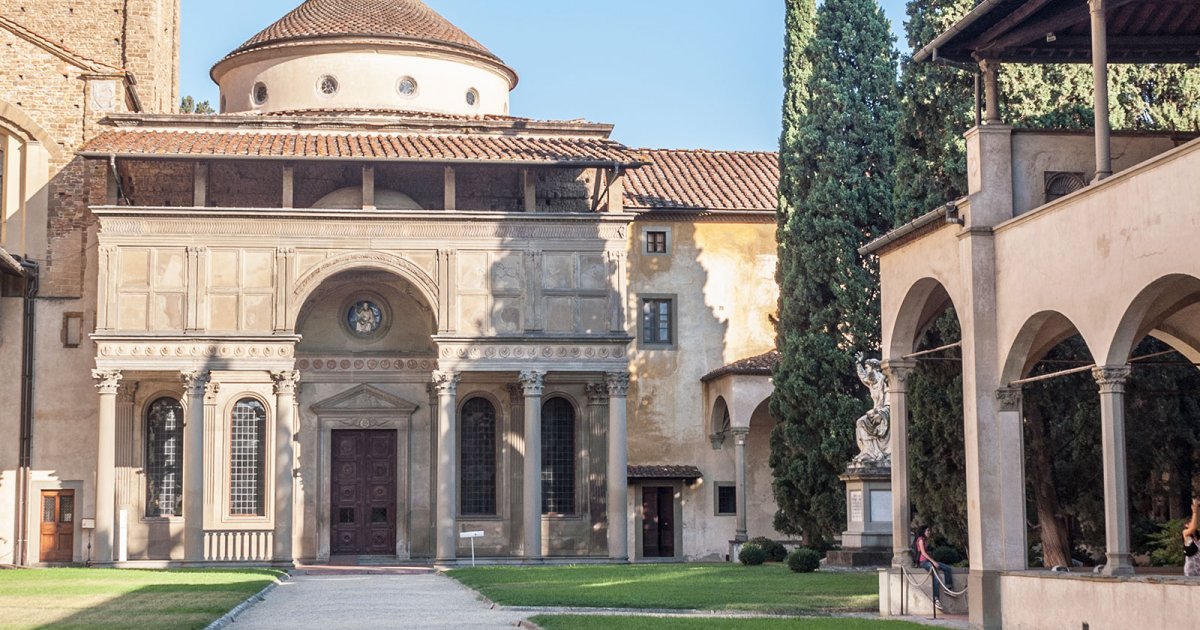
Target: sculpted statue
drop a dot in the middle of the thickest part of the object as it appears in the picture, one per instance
(872, 430)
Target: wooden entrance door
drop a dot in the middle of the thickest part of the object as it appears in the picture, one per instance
(658, 522)
(58, 525)
(363, 492)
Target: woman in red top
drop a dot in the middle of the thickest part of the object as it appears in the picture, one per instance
(926, 561)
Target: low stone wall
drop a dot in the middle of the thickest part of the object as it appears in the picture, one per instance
(1039, 599)
(900, 598)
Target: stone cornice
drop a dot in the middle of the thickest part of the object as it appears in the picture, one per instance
(563, 354)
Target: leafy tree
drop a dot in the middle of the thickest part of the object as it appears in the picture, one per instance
(189, 106)
(837, 186)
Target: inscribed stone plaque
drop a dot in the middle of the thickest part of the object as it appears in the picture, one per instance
(881, 506)
(856, 506)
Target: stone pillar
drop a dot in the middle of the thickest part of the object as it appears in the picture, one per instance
(897, 372)
(1111, 379)
(991, 90)
(618, 466)
(195, 384)
(739, 465)
(125, 464)
(1100, 87)
(446, 383)
(107, 383)
(597, 475)
(285, 454)
(532, 382)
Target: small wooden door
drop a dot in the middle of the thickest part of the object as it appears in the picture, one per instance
(658, 522)
(58, 525)
(363, 492)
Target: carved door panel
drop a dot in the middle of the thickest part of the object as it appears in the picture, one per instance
(363, 493)
(658, 522)
(57, 525)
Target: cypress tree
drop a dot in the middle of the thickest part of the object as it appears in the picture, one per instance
(836, 195)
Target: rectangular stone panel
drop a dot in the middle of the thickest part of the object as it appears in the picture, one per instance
(559, 271)
(132, 312)
(258, 312)
(258, 270)
(560, 314)
(168, 312)
(473, 313)
(506, 315)
(593, 315)
(223, 312)
(223, 269)
(508, 273)
(135, 268)
(170, 270)
(593, 273)
(472, 271)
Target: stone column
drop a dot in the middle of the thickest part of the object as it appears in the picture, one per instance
(991, 90)
(446, 383)
(193, 466)
(531, 382)
(107, 382)
(618, 466)
(897, 372)
(1100, 88)
(285, 454)
(739, 465)
(1111, 379)
(125, 463)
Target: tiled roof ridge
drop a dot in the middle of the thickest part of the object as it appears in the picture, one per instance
(703, 151)
(394, 19)
(397, 121)
(757, 365)
(704, 179)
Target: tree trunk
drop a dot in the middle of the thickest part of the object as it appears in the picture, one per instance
(1055, 535)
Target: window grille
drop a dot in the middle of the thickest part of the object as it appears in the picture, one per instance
(656, 242)
(657, 320)
(558, 457)
(164, 458)
(726, 499)
(247, 433)
(478, 455)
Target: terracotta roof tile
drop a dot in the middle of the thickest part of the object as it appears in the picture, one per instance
(351, 145)
(393, 19)
(761, 365)
(704, 180)
(668, 471)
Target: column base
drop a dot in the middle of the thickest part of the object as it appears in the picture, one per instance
(902, 558)
(1119, 564)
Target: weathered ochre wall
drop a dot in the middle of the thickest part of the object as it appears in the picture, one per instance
(721, 276)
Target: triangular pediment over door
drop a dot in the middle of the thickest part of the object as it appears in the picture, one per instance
(365, 400)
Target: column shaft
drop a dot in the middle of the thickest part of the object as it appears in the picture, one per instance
(446, 384)
(1111, 379)
(1100, 81)
(618, 466)
(531, 381)
(739, 465)
(106, 460)
(897, 397)
(193, 466)
(285, 453)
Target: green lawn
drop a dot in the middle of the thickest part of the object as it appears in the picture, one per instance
(108, 598)
(768, 588)
(595, 622)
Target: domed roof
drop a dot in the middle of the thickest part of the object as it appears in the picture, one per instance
(390, 19)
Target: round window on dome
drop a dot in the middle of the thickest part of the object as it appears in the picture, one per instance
(472, 97)
(327, 85)
(407, 87)
(259, 93)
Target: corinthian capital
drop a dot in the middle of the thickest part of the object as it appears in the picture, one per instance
(194, 381)
(532, 381)
(446, 381)
(107, 381)
(1111, 378)
(286, 382)
(618, 383)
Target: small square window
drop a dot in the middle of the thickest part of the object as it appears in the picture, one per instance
(656, 242)
(726, 499)
(658, 321)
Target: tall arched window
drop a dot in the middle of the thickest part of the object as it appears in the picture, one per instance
(478, 455)
(247, 458)
(164, 458)
(558, 457)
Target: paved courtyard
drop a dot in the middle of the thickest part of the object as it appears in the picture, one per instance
(374, 600)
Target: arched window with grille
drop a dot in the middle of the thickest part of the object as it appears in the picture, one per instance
(558, 457)
(164, 458)
(477, 451)
(247, 458)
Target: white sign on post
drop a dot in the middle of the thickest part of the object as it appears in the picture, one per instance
(472, 536)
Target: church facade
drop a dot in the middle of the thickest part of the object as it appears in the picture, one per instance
(364, 309)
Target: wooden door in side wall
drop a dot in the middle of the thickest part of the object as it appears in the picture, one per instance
(658, 522)
(58, 525)
(363, 492)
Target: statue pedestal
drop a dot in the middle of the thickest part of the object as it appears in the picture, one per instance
(867, 540)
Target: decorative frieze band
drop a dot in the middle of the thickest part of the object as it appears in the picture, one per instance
(533, 352)
(346, 364)
(230, 349)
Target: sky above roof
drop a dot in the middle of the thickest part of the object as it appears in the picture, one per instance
(667, 73)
